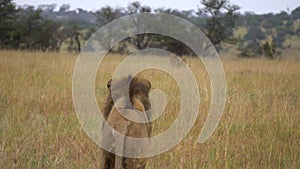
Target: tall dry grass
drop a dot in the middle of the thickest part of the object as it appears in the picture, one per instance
(260, 127)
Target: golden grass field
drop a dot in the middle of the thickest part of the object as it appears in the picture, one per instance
(260, 127)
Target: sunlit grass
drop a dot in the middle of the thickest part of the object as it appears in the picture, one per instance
(260, 127)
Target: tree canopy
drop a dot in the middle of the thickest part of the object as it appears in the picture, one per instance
(47, 29)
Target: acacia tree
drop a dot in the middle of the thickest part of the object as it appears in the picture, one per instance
(249, 46)
(104, 16)
(221, 21)
(8, 13)
(107, 14)
(140, 41)
(72, 32)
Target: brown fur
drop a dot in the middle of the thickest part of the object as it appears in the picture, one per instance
(138, 87)
(139, 98)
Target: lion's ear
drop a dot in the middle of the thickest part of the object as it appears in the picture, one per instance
(109, 83)
(129, 78)
(147, 84)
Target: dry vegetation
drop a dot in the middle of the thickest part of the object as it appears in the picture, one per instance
(260, 127)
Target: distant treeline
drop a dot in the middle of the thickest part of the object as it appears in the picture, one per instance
(47, 29)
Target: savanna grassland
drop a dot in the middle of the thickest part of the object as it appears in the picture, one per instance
(260, 127)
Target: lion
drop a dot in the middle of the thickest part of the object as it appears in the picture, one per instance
(139, 98)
